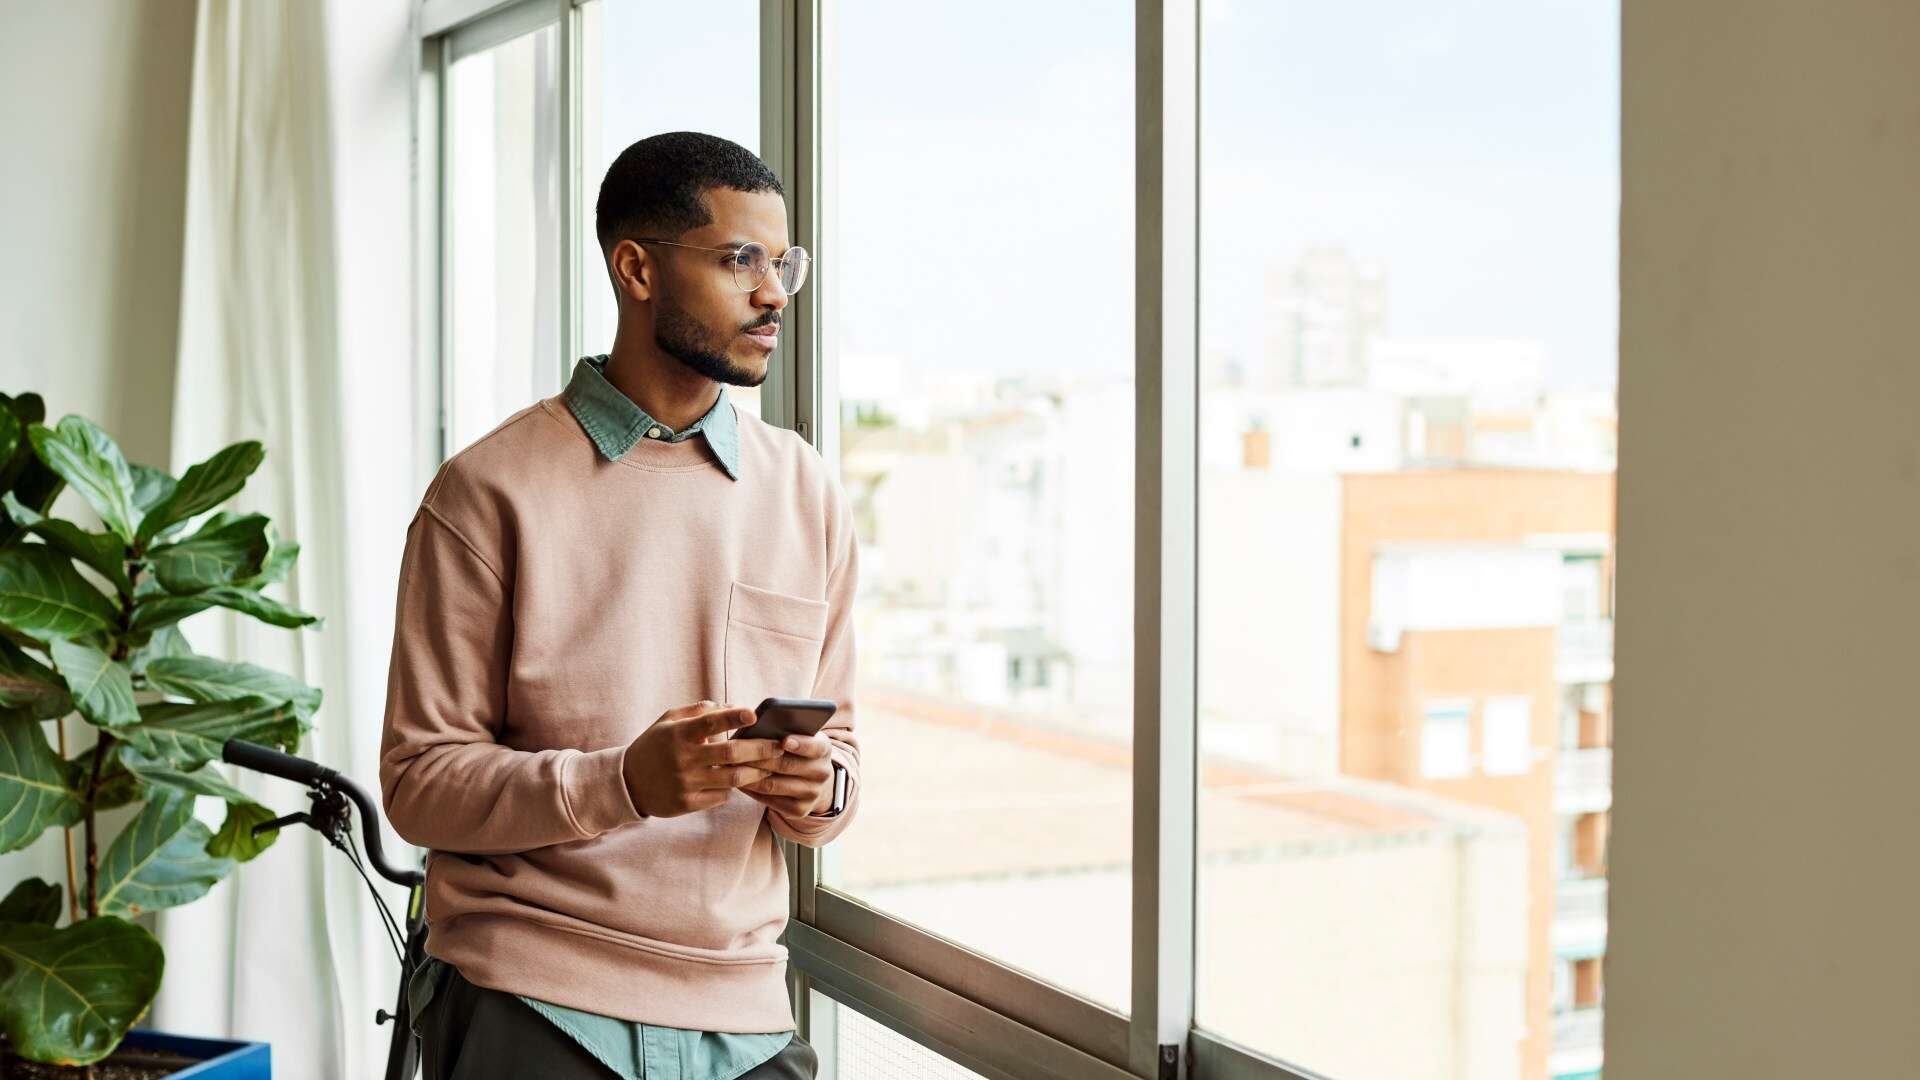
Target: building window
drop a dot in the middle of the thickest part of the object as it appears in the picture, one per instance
(1508, 735)
(1446, 739)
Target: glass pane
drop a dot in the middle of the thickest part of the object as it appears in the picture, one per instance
(1408, 430)
(647, 67)
(987, 442)
(502, 275)
(854, 1046)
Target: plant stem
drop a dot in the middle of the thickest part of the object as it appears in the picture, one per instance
(100, 749)
(73, 894)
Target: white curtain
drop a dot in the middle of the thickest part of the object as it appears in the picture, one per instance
(295, 330)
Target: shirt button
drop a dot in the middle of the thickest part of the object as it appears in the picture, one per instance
(653, 433)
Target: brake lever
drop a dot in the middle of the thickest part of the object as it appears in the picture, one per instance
(301, 818)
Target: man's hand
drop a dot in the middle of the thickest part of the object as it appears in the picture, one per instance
(801, 782)
(676, 768)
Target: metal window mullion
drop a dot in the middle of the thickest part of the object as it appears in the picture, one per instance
(568, 128)
(1166, 296)
(442, 57)
(780, 98)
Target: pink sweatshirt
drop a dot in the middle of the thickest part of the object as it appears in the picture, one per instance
(552, 604)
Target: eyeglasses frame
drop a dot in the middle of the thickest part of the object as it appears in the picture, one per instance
(771, 261)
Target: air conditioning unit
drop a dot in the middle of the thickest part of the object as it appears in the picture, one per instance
(1382, 637)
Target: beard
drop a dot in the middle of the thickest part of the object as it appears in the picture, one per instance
(684, 338)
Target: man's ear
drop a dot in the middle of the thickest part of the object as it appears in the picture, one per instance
(632, 270)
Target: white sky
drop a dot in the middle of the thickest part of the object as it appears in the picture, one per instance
(986, 164)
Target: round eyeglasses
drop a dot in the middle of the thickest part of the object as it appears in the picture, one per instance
(751, 261)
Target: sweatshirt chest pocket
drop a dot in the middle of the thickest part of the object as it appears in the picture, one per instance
(772, 647)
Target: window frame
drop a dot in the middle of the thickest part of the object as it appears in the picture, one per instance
(982, 1013)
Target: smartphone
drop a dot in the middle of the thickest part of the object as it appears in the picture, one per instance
(779, 717)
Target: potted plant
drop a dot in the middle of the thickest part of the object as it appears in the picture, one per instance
(89, 626)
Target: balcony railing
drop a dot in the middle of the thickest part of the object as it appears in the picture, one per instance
(1576, 1044)
(1580, 898)
(1580, 918)
(1586, 651)
(1583, 783)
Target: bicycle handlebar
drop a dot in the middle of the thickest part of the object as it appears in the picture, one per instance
(265, 759)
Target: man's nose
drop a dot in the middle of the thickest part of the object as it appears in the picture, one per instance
(769, 293)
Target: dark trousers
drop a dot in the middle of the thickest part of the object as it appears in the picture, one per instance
(470, 1032)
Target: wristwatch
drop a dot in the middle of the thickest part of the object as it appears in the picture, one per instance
(839, 793)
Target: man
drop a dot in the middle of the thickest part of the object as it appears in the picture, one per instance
(594, 596)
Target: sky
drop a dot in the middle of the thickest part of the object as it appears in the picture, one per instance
(986, 165)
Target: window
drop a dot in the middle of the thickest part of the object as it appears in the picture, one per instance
(986, 412)
(1507, 735)
(646, 68)
(503, 249)
(1379, 418)
(1446, 740)
(1407, 318)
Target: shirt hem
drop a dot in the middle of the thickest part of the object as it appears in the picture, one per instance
(591, 974)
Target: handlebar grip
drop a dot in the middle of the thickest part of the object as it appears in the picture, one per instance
(267, 760)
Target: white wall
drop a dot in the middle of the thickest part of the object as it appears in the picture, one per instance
(93, 145)
(1765, 895)
(93, 130)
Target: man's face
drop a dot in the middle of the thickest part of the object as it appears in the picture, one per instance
(701, 316)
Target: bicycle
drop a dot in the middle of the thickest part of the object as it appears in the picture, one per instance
(330, 813)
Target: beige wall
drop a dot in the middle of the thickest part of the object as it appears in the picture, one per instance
(93, 196)
(1766, 899)
(93, 136)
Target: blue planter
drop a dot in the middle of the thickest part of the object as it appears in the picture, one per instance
(221, 1059)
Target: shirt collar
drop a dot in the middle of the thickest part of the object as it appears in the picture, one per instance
(614, 423)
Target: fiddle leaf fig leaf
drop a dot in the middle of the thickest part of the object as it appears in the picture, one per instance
(32, 901)
(150, 487)
(190, 735)
(44, 597)
(235, 840)
(156, 610)
(226, 550)
(69, 994)
(204, 487)
(102, 689)
(160, 860)
(91, 463)
(205, 678)
(160, 610)
(279, 561)
(26, 683)
(38, 789)
(204, 780)
(103, 552)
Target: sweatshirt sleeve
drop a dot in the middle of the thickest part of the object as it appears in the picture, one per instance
(835, 679)
(444, 780)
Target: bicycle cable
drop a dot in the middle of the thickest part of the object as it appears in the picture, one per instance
(394, 937)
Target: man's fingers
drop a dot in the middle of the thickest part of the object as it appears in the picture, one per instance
(706, 725)
(810, 759)
(792, 787)
(735, 752)
(727, 776)
(807, 746)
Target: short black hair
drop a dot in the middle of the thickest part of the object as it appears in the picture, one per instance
(653, 188)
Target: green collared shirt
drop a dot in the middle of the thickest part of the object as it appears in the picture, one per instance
(632, 1049)
(614, 422)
